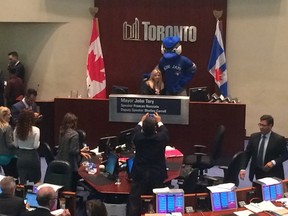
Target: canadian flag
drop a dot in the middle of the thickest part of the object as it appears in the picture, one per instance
(96, 79)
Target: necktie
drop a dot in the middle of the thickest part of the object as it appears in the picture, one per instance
(261, 152)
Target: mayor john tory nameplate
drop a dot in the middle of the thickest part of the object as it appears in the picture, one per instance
(130, 108)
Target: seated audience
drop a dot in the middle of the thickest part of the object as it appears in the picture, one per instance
(46, 198)
(26, 139)
(95, 208)
(7, 149)
(28, 102)
(154, 85)
(69, 149)
(15, 87)
(9, 203)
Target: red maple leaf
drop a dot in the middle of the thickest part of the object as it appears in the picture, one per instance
(95, 67)
(218, 74)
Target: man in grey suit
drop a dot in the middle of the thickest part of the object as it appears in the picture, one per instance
(267, 151)
(9, 203)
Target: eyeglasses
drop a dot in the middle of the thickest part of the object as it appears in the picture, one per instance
(262, 125)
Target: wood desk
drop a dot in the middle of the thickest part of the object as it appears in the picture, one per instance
(105, 186)
(204, 118)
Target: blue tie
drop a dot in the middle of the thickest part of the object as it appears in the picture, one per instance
(261, 152)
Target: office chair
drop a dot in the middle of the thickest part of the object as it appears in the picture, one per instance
(60, 173)
(189, 182)
(48, 153)
(201, 160)
(231, 172)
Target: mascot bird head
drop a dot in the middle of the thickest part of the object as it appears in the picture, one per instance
(171, 47)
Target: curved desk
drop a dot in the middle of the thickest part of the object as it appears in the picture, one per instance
(106, 186)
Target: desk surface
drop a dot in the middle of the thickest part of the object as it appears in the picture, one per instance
(104, 185)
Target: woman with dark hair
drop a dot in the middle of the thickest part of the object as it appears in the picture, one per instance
(7, 148)
(69, 149)
(26, 138)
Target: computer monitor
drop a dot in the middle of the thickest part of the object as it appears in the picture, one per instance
(170, 202)
(107, 144)
(223, 200)
(272, 192)
(199, 94)
(112, 165)
(126, 137)
(119, 89)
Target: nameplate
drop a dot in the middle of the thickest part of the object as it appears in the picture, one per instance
(130, 108)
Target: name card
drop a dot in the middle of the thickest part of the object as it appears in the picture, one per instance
(130, 108)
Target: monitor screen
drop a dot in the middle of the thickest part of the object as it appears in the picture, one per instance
(223, 200)
(272, 192)
(129, 166)
(170, 202)
(107, 144)
(112, 165)
(199, 94)
(126, 137)
(119, 89)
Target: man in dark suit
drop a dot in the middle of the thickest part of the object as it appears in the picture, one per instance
(46, 198)
(149, 167)
(268, 151)
(9, 203)
(14, 61)
(28, 102)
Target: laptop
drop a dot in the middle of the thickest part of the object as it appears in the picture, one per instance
(129, 166)
(223, 200)
(172, 201)
(112, 165)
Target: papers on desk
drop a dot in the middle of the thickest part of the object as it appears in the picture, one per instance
(57, 212)
(222, 187)
(266, 206)
(243, 213)
(96, 151)
(172, 152)
(268, 181)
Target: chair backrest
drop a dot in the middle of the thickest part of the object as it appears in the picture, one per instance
(217, 142)
(190, 182)
(48, 153)
(60, 173)
(231, 175)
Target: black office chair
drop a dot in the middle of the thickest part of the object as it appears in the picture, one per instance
(60, 173)
(189, 182)
(231, 172)
(201, 160)
(47, 152)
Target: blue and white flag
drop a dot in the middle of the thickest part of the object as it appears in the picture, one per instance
(217, 63)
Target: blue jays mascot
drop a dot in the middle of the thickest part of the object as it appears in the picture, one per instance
(176, 69)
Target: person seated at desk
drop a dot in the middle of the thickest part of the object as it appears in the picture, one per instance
(154, 85)
(69, 149)
(9, 203)
(149, 168)
(95, 208)
(46, 198)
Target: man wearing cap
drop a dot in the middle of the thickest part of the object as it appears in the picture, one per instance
(177, 70)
